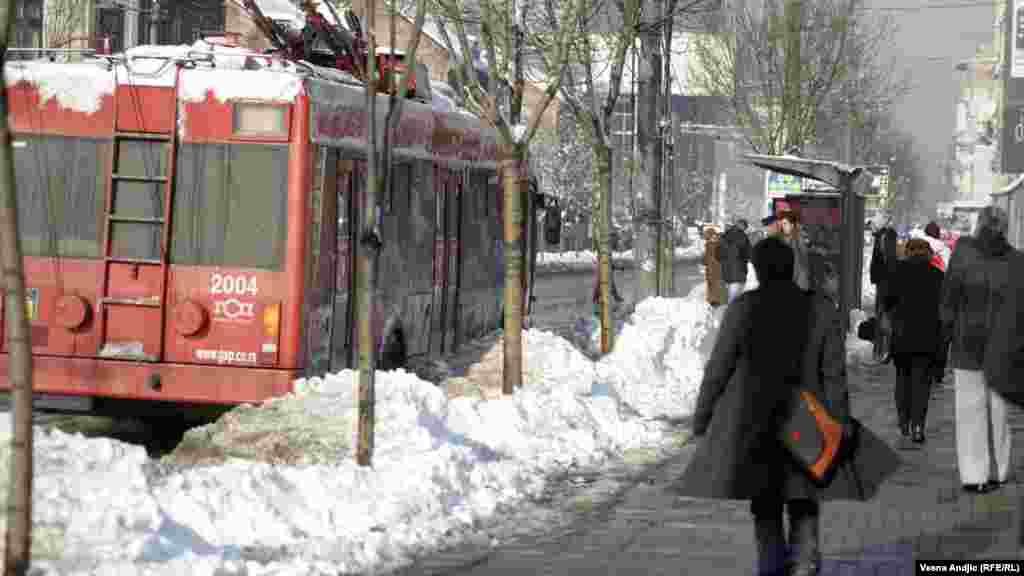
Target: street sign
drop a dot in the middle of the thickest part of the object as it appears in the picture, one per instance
(1017, 40)
(1013, 93)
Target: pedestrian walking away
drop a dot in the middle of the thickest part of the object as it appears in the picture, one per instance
(773, 340)
(940, 258)
(883, 258)
(735, 251)
(977, 278)
(913, 298)
(712, 267)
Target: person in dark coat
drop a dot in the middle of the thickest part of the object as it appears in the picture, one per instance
(773, 339)
(883, 258)
(977, 278)
(914, 301)
(1004, 355)
(940, 256)
(735, 251)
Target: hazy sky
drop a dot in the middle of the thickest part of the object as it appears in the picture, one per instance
(933, 35)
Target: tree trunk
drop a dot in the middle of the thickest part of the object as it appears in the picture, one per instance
(511, 171)
(647, 216)
(368, 248)
(604, 273)
(17, 556)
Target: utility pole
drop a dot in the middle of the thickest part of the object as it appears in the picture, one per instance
(665, 251)
(17, 554)
(369, 245)
(154, 22)
(794, 15)
(648, 217)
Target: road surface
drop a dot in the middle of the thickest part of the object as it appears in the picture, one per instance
(564, 296)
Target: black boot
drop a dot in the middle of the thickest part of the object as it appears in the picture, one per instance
(905, 429)
(918, 434)
(771, 542)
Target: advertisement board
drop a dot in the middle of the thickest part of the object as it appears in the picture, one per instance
(780, 185)
(820, 231)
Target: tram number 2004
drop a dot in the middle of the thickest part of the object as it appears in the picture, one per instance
(227, 284)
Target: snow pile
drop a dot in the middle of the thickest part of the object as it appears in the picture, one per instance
(857, 351)
(867, 296)
(659, 356)
(547, 360)
(587, 259)
(441, 468)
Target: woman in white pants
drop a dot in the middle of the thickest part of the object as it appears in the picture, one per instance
(976, 276)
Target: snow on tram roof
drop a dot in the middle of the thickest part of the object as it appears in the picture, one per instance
(228, 72)
(79, 86)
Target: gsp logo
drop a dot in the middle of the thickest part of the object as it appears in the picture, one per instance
(234, 310)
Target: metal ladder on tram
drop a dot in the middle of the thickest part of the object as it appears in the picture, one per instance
(130, 150)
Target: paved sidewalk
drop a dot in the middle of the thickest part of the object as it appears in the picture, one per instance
(920, 514)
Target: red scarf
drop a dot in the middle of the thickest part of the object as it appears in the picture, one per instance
(938, 263)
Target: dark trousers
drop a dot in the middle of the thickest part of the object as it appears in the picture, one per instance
(913, 387)
(939, 366)
(804, 525)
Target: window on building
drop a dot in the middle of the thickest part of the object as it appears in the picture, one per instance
(28, 24)
(230, 205)
(61, 194)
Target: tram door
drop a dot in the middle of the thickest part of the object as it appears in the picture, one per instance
(347, 180)
(447, 218)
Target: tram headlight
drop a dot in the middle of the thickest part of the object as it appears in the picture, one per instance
(272, 320)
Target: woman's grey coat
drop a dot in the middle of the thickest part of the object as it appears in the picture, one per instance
(738, 456)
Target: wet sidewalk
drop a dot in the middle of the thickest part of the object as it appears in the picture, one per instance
(921, 513)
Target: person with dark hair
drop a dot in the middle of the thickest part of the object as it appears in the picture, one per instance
(940, 257)
(772, 340)
(914, 302)
(790, 234)
(735, 251)
(977, 279)
(883, 258)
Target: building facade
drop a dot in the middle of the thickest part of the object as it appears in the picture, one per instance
(110, 25)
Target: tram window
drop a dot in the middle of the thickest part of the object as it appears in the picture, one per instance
(230, 205)
(61, 194)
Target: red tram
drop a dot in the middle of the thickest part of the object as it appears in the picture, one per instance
(188, 218)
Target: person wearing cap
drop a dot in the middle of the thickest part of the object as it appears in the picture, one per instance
(771, 225)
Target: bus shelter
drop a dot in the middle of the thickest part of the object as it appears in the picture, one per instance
(848, 186)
